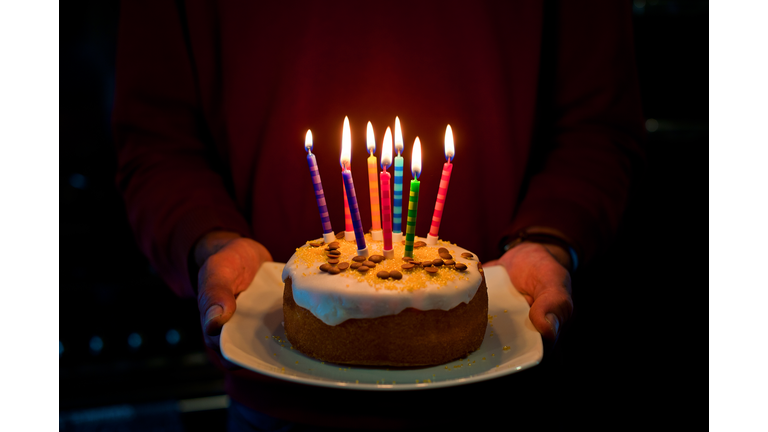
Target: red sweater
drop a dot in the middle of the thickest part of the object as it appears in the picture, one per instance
(213, 102)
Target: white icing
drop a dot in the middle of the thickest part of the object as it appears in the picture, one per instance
(330, 299)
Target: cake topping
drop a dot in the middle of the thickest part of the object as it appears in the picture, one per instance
(461, 267)
(355, 265)
(450, 262)
(333, 261)
(437, 262)
(442, 250)
(407, 259)
(376, 258)
(431, 269)
(333, 246)
(467, 255)
(407, 266)
(316, 243)
(334, 270)
(382, 275)
(396, 275)
(325, 267)
(362, 269)
(343, 266)
(359, 259)
(340, 235)
(445, 255)
(369, 264)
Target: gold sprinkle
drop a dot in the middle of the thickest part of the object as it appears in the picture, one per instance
(297, 362)
(483, 358)
(357, 382)
(505, 348)
(505, 311)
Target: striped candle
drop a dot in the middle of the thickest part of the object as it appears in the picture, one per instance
(373, 184)
(348, 227)
(349, 187)
(386, 214)
(397, 205)
(319, 194)
(443, 191)
(413, 200)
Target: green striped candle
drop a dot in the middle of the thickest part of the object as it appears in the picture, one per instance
(413, 199)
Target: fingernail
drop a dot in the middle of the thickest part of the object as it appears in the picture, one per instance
(213, 312)
(554, 324)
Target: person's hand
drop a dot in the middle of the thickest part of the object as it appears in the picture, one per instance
(539, 273)
(228, 263)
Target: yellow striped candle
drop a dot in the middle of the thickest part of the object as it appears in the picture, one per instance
(413, 200)
(373, 185)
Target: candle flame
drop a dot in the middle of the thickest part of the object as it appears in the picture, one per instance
(308, 141)
(449, 150)
(398, 137)
(386, 150)
(370, 141)
(346, 145)
(416, 159)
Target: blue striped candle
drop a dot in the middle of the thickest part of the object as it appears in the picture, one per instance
(397, 204)
(314, 172)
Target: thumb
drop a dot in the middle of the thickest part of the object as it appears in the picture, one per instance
(216, 303)
(548, 313)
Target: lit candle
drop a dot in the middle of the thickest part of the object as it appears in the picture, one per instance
(349, 230)
(443, 191)
(397, 205)
(386, 207)
(413, 200)
(328, 236)
(346, 174)
(373, 184)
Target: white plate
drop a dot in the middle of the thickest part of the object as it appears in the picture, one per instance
(254, 339)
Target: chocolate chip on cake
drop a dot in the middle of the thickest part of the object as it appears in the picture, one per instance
(376, 258)
(407, 259)
(340, 235)
(369, 264)
(333, 260)
(437, 262)
(334, 245)
(442, 250)
(355, 265)
(363, 269)
(419, 244)
(467, 255)
(446, 256)
(382, 275)
(461, 267)
(358, 259)
(334, 270)
(431, 269)
(407, 266)
(325, 267)
(334, 253)
(396, 275)
(450, 262)
(343, 266)
(316, 243)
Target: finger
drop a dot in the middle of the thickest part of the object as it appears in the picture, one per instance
(549, 311)
(216, 301)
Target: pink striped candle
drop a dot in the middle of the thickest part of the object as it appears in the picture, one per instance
(373, 184)
(437, 216)
(314, 172)
(386, 206)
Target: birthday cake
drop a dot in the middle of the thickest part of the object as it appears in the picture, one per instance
(346, 309)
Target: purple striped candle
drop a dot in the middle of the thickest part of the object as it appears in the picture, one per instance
(314, 172)
(437, 216)
(349, 186)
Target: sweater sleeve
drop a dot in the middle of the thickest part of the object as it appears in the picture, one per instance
(167, 165)
(591, 127)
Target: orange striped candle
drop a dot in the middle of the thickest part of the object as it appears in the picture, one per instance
(437, 216)
(373, 185)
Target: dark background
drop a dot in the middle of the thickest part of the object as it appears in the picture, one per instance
(123, 363)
